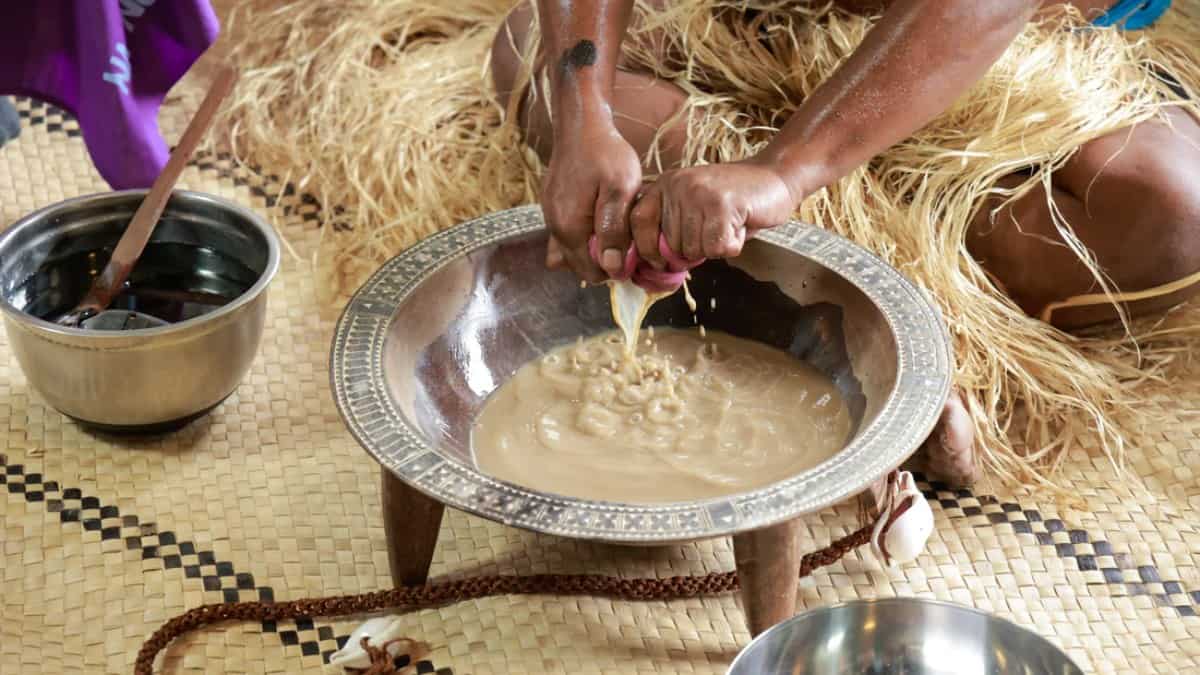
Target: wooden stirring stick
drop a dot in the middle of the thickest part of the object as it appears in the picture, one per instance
(129, 248)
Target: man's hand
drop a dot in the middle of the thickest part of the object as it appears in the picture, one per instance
(590, 184)
(709, 211)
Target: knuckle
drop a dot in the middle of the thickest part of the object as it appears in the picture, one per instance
(552, 212)
(715, 200)
(630, 183)
(722, 242)
(613, 191)
(619, 181)
(725, 201)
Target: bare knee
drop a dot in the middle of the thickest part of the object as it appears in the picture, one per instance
(1153, 197)
(1130, 198)
(508, 57)
(1164, 246)
(1140, 208)
(1172, 213)
(508, 48)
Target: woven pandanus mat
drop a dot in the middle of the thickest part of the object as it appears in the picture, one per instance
(101, 540)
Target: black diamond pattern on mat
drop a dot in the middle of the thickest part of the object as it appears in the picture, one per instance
(56, 120)
(216, 575)
(269, 187)
(1096, 559)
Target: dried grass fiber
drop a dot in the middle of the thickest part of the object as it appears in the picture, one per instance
(383, 109)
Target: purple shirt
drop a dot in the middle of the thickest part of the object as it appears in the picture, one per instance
(110, 63)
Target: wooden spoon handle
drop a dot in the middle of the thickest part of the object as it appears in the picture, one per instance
(137, 233)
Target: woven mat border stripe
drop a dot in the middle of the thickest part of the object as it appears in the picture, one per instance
(261, 184)
(1094, 556)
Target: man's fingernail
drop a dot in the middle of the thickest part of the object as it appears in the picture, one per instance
(612, 260)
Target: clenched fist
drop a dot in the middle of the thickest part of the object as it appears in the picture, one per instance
(590, 184)
(708, 211)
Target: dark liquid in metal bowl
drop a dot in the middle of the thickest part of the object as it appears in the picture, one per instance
(171, 281)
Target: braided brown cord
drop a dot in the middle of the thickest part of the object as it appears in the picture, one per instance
(409, 598)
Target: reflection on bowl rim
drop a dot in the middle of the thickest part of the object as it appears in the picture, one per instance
(104, 199)
(365, 402)
(782, 626)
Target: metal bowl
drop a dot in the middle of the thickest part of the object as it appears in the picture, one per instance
(438, 328)
(145, 380)
(900, 636)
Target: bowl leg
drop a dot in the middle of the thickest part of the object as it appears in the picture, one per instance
(411, 522)
(768, 569)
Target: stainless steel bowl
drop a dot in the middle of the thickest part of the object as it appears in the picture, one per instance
(142, 380)
(436, 330)
(898, 636)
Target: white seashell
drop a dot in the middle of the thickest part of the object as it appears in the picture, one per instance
(377, 631)
(905, 539)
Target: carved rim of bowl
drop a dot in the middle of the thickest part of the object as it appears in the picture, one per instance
(923, 379)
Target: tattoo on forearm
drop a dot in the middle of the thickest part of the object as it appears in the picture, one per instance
(582, 55)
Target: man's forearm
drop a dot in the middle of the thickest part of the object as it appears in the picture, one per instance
(917, 60)
(582, 42)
